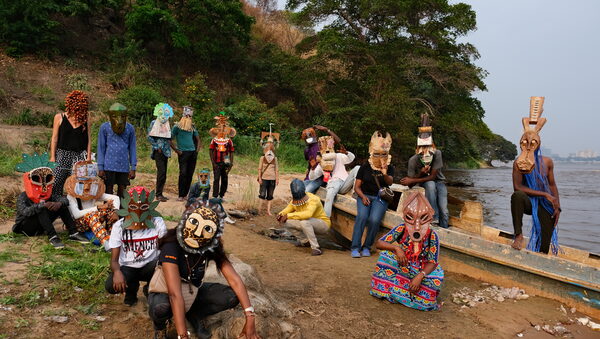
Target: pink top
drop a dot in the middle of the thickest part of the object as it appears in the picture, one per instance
(339, 170)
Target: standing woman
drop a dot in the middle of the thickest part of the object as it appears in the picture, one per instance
(70, 139)
(371, 177)
(177, 290)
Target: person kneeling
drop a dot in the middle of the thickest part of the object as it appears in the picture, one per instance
(177, 290)
(134, 244)
(407, 271)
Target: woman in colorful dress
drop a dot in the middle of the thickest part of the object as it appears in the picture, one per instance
(407, 271)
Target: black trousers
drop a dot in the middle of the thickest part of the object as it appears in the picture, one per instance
(161, 171)
(519, 205)
(187, 165)
(220, 183)
(133, 276)
(42, 223)
(212, 298)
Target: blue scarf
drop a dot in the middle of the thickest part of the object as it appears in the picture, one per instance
(536, 180)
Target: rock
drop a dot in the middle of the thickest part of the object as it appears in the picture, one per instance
(547, 329)
(6, 308)
(57, 319)
(563, 310)
(560, 330)
(573, 310)
(100, 318)
(583, 321)
(522, 296)
(537, 327)
(500, 298)
(238, 214)
(78, 289)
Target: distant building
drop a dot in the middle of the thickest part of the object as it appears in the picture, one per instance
(586, 154)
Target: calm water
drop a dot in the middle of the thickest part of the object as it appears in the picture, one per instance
(578, 186)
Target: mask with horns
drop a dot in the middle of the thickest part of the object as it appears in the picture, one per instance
(379, 151)
(530, 140)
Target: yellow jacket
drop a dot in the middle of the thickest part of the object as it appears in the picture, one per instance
(312, 209)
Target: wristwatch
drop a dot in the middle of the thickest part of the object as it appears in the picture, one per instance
(249, 310)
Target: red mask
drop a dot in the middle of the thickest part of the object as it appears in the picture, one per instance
(38, 184)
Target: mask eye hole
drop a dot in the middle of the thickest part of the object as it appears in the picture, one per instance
(193, 221)
(144, 207)
(133, 207)
(49, 178)
(208, 228)
(36, 179)
(409, 217)
(424, 217)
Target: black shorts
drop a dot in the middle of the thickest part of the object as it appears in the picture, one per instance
(266, 189)
(118, 178)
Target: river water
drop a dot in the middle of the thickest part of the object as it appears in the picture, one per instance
(578, 187)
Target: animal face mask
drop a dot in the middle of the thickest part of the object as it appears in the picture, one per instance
(327, 152)
(200, 227)
(379, 151)
(117, 115)
(141, 208)
(530, 140)
(85, 183)
(417, 214)
(309, 135)
(37, 176)
(222, 132)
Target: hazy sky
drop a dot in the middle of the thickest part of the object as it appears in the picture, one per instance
(545, 48)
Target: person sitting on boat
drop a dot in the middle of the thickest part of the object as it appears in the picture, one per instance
(370, 207)
(304, 217)
(311, 152)
(535, 193)
(407, 271)
(425, 170)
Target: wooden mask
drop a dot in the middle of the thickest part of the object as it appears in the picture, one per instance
(530, 140)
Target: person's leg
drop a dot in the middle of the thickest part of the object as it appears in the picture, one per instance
(378, 208)
(109, 181)
(442, 201)
(295, 227)
(182, 160)
(431, 194)
(190, 168)
(132, 279)
(212, 298)
(313, 185)
(33, 226)
(159, 310)
(349, 182)
(61, 172)
(333, 187)
(362, 215)
(224, 181)
(547, 225)
(66, 218)
(519, 205)
(216, 179)
(161, 172)
(308, 228)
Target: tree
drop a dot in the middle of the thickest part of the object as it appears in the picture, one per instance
(498, 149)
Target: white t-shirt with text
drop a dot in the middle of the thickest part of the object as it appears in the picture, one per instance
(138, 247)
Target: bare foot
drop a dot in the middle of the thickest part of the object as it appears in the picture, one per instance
(269, 213)
(518, 242)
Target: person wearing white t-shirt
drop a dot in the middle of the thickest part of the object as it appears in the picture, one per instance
(134, 244)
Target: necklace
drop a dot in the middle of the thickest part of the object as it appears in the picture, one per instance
(190, 271)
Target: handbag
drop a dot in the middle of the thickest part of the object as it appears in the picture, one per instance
(158, 284)
(384, 193)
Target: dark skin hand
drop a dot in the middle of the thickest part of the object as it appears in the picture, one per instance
(132, 174)
(119, 284)
(282, 218)
(101, 174)
(408, 181)
(328, 131)
(553, 197)
(52, 206)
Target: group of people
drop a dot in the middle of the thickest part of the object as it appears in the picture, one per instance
(173, 262)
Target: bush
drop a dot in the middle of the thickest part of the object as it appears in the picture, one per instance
(78, 81)
(27, 117)
(197, 92)
(140, 101)
(250, 116)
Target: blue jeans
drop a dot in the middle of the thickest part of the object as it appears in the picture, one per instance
(313, 185)
(371, 214)
(437, 195)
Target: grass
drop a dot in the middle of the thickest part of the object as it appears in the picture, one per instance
(7, 256)
(44, 94)
(12, 237)
(89, 324)
(29, 118)
(21, 322)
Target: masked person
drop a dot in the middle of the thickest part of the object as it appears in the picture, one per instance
(311, 152)
(134, 244)
(94, 211)
(70, 139)
(177, 289)
(425, 170)
(201, 189)
(221, 154)
(159, 135)
(407, 271)
(37, 208)
(188, 142)
(370, 207)
(268, 170)
(535, 193)
(304, 217)
(117, 158)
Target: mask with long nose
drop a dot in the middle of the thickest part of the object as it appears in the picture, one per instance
(418, 215)
(530, 140)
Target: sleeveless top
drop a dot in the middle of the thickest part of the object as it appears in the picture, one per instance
(71, 139)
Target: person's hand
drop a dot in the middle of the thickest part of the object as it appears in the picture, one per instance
(365, 200)
(52, 159)
(312, 162)
(159, 150)
(556, 206)
(113, 217)
(276, 182)
(406, 181)
(132, 174)
(383, 169)
(259, 181)
(102, 175)
(119, 284)
(425, 169)
(282, 218)
(53, 206)
(401, 256)
(249, 330)
(415, 283)
(178, 152)
(104, 206)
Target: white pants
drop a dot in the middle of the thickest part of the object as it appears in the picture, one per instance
(340, 186)
(307, 230)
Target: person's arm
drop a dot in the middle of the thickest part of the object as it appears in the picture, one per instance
(192, 194)
(276, 172)
(211, 153)
(388, 176)
(196, 137)
(260, 169)
(389, 242)
(54, 140)
(359, 192)
(407, 181)
(236, 283)
(288, 209)
(101, 150)
(518, 184)
(174, 148)
(25, 210)
(119, 284)
(315, 172)
(328, 131)
(74, 208)
(306, 213)
(173, 281)
(116, 202)
(132, 154)
(89, 135)
(346, 158)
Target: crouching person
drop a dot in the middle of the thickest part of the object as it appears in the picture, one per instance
(177, 290)
(305, 217)
(134, 244)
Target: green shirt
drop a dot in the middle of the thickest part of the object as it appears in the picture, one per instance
(184, 139)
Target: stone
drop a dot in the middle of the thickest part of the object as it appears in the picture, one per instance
(57, 319)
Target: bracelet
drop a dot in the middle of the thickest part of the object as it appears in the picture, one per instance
(187, 335)
(424, 274)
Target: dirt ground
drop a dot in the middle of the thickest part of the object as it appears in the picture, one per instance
(328, 294)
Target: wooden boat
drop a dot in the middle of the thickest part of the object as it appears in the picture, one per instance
(484, 253)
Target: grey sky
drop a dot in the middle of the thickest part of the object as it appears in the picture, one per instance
(545, 48)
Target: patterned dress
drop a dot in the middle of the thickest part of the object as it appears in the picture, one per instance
(391, 281)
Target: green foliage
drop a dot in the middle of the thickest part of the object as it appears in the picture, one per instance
(43, 94)
(250, 116)
(9, 255)
(10, 158)
(27, 117)
(140, 101)
(498, 148)
(197, 93)
(78, 81)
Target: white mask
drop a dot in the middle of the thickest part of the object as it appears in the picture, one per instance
(310, 140)
(269, 156)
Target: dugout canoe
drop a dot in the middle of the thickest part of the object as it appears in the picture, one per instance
(482, 252)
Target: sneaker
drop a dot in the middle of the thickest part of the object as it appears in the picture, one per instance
(229, 220)
(365, 252)
(355, 254)
(161, 198)
(55, 241)
(130, 299)
(160, 334)
(181, 199)
(316, 251)
(78, 237)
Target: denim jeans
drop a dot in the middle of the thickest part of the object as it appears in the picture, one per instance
(437, 195)
(372, 214)
(313, 185)
(335, 186)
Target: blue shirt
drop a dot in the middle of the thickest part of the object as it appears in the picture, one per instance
(116, 152)
(158, 142)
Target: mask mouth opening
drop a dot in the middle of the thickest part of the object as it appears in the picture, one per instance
(417, 235)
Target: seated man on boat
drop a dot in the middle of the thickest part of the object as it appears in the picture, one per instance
(304, 217)
(535, 193)
(407, 271)
(425, 170)
(311, 152)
